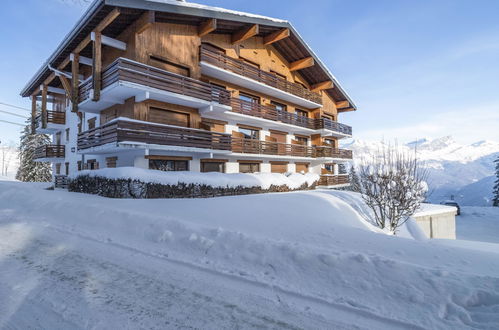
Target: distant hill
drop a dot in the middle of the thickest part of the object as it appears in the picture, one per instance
(465, 171)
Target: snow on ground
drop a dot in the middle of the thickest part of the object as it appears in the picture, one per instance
(283, 260)
(478, 224)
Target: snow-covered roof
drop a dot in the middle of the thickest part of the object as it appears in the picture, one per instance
(431, 209)
(182, 8)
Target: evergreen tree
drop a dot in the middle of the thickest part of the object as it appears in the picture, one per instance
(354, 179)
(495, 192)
(29, 170)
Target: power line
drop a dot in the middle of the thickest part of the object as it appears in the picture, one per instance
(11, 122)
(13, 114)
(14, 106)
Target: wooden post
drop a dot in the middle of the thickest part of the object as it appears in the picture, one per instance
(33, 114)
(97, 65)
(44, 106)
(75, 65)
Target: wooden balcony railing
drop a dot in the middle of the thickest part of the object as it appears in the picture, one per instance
(123, 130)
(251, 146)
(217, 58)
(271, 113)
(324, 151)
(49, 151)
(332, 180)
(52, 117)
(139, 73)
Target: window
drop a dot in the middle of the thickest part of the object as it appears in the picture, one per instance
(67, 168)
(249, 167)
(330, 143)
(111, 161)
(249, 98)
(79, 165)
(58, 168)
(163, 116)
(301, 113)
(249, 133)
(301, 167)
(91, 123)
(168, 165)
(278, 106)
(92, 164)
(301, 139)
(67, 134)
(58, 138)
(213, 166)
(329, 168)
(278, 167)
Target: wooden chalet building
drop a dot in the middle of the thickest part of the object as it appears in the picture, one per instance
(177, 86)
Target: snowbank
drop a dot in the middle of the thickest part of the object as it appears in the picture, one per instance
(214, 179)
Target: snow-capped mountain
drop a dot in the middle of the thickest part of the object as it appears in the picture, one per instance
(461, 170)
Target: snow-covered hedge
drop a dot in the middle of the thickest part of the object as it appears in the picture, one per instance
(132, 182)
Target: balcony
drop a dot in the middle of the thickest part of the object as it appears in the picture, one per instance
(55, 121)
(125, 78)
(333, 180)
(215, 63)
(329, 152)
(250, 146)
(269, 117)
(49, 152)
(128, 133)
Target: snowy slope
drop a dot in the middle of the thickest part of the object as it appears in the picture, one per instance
(452, 166)
(286, 260)
(9, 159)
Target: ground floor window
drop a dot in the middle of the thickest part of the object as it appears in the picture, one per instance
(111, 162)
(67, 168)
(249, 167)
(58, 168)
(168, 165)
(278, 167)
(301, 167)
(213, 166)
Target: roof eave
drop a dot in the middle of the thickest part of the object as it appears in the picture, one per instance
(66, 40)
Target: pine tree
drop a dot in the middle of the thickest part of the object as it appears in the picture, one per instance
(495, 192)
(354, 179)
(29, 170)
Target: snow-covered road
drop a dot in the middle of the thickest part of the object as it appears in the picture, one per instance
(52, 279)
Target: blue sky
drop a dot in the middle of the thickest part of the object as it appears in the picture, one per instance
(414, 68)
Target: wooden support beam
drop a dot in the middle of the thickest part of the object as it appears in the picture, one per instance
(44, 106)
(47, 81)
(207, 27)
(56, 90)
(145, 21)
(75, 68)
(108, 41)
(66, 85)
(107, 20)
(81, 59)
(322, 86)
(33, 114)
(97, 66)
(245, 33)
(342, 104)
(82, 45)
(276, 36)
(301, 64)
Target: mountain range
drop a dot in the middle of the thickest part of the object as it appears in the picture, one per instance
(464, 172)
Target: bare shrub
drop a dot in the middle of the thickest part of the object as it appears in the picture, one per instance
(393, 185)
